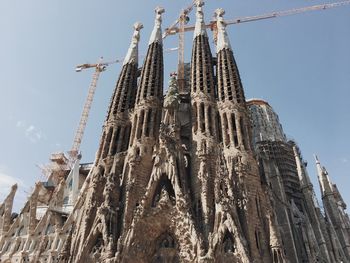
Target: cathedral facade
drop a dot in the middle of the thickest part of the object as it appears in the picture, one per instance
(200, 175)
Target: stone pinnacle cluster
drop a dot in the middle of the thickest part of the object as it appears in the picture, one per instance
(197, 176)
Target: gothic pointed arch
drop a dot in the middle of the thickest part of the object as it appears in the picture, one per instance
(228, 244)
(166, 249)
(163, 184)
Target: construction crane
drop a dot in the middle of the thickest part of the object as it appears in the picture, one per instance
(99, 67)
(181, 29)
(181, 21)
(175, 30)
(178, 27)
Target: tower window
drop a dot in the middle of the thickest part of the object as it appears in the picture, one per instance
(226, 130)
(195, 117)
(148, 122)
(219, 128)
(116, 140)
(140, 125)
(201, 117)
(107, 143)
(210, 121)
(234, 128)
(134, 127)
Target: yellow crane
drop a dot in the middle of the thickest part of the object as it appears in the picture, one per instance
(99, 67)
(173, 29)
(178, 27)
(183, 18)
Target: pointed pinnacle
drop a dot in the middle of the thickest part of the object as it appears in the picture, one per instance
(316, 159)
(156, 35)
(132, 54)
(222, 37)
(200, 25)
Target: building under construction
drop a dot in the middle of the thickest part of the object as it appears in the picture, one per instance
(196, 175)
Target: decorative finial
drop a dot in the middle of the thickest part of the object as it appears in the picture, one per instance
(173, 74)
(132, 54)
(14, 187)
(156, 35)
(219, 12)
(138, 26)
(222, 38)
(159, 10)
(172, 96)
(325, 183)
(199, 3)
(316, 159)
(200, 25)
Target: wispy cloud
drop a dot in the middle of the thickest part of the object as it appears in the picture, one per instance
(344, 160)
(6, 181)
(32, 133)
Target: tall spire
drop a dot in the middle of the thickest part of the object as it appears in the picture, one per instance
(222, 38)
(302, 174)
(123, 97)
(202, 74)
(334, 213)
(229, 81)
(200, 25)
(6, 210)
(151, 81)
(145, 123)
(132, 54)
(116, 133)
(156, 35)
(325, 182)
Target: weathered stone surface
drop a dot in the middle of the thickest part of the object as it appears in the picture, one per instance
(187, 177)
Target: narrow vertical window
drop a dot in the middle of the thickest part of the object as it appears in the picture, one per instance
(148, 122)
(202, 118)
(107, 143)
(234, 128)
(219, 128)
(210, 121)
(140, 124)
(134, 127)
(226, 130)
(195, 119)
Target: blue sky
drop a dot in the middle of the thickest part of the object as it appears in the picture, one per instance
(300, 64)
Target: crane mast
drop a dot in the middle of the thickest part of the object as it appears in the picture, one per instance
(178, 27)
(181, 21)
(99, 67)
(175, 30)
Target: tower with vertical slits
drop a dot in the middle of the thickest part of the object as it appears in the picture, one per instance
(176, 179)
(204, 131)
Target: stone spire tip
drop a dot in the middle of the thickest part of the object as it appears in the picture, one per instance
(138, 26)
(222, 37)
(199, 3)
(200, 25)
(219, 12)
(132, 54)
(159, 10)
(316, 159)
(323, 178)
(156, 35)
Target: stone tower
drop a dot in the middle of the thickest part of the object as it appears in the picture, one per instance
(334, 211)
(243, 169)
(97, 225)
(308, 236)
(193, 200)
(185, 177)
